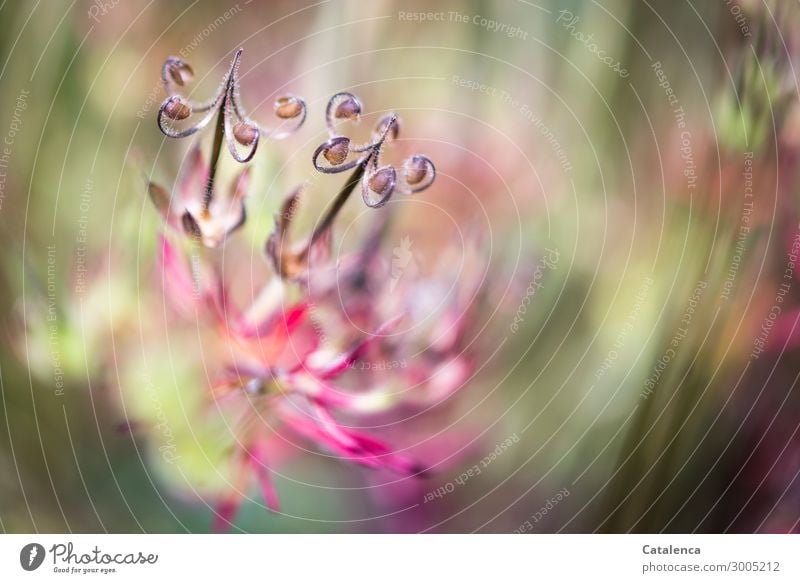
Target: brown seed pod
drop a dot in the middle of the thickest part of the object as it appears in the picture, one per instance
(288, 107)
(416, 169)
(180, 73)
(382, 181)
(348, 108)
(337, 152)
(245, 133)
(177, 109)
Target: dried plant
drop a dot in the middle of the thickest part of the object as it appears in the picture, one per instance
(198, 211)
(338, 154)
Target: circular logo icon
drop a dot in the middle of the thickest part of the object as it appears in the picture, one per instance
(31, 556)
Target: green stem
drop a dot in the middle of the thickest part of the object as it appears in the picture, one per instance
(338, 202)
(216, 151)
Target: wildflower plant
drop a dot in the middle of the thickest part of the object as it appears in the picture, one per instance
(286, 367)
(338, 154)
(379, 181)
(202, 216)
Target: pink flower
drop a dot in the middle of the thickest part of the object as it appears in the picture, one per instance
(292, 352)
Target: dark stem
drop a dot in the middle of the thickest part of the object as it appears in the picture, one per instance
(346, 190)
(337, 205)
(216, 151)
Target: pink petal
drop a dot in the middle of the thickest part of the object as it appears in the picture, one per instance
(357, 447)
(285, 323)
(259, 464)
(241, 185)
(317, 389)
(177, 279)
(326, 366)
(193, 178)
(225, 513)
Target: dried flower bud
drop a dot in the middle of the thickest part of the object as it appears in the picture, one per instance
(190, 225)
(288, 107)
(381, 182)
(245, 133)
(337, 151)
(177, 109)
(160, 197)
(348, 108)
(416, 169)
(180, 73)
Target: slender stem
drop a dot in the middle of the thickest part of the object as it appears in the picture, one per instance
(337, 205)
(216, 150)
(348, 188)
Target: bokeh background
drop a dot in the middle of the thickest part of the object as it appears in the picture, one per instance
(632, 166)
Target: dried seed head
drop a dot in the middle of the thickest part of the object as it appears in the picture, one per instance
(245, 133)
(180, 73)
(348, 108)
(288, 107)
(382, 181)
(225, 104)
(177, 109)
(337, 152)
(416, 168)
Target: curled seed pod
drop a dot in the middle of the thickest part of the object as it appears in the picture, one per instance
(288, 107)
(416, 168)
(331, 157)
(343, 106)
(176, 108)
(348, 108)
(378, 186)
(245, 133)
(237, 126)
(337, 151)
(179, 72)
(382, 180)
(388, 125)
(419, 173)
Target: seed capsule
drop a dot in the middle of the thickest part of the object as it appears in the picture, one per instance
(180, 72)
(416, 169)
(177, 109)
(288, 107)
(245, 133)
(348, 108)
(382, 181)
(383, 127)
(337, 152)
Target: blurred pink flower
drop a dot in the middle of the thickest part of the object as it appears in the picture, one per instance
(335, 350)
